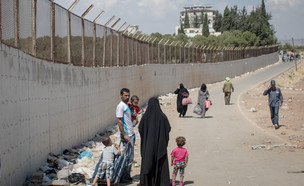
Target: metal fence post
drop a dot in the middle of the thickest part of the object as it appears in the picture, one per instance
(165, 54)
(52, 30)
(158, 51)
(128, 51)
(123, 49)
(180, 52)
(0, 20)
(193, 48)
(135, 51)
(152, 51)
(185, 56)
(149, 48)
(188, 53)
(133, 57)
(16, 19)
(104, 47)
(82, 43)
(175, 53)
(94, 44)
(69, 38)
(170, 52)
(34, 20)
(111, 49)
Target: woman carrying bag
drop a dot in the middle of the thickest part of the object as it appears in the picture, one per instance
(203, 96)
(182, 93)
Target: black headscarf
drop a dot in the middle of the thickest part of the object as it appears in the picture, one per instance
(181, 86)
(154, 129)
(203, 87)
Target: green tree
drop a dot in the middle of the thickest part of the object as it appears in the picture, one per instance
(212, 41)
(217, 25)
(250, 37)
(199, 40)
(227, 39)
(234, 18)
(181, 28)
(158, 36)
(181, 37)
(226, 22)
(186, 22)
(259, 25)
(205, 26)
(243, 20)
(196, 22)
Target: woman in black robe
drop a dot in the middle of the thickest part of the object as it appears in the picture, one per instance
(154, 129)
(181, 109)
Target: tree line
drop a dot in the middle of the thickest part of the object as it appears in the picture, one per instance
(238, 28)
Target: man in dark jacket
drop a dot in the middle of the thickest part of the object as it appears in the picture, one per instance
(275, 99)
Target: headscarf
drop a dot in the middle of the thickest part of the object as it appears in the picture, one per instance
(154, 129)
(181, 86)
(227, 79)
(203, 87)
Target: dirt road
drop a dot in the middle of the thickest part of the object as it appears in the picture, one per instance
(220, 146)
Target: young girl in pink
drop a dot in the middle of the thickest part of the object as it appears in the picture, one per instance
(179, 160)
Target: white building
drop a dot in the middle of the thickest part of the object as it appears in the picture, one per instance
(197, 12)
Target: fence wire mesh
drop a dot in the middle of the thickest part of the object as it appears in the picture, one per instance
(115, 46)
(108, 53)
(99, 44)
(75, 40)
(61, 34)
(25, 25)
(43, 30)
(8, 22)
(88, 43)
(121, 50)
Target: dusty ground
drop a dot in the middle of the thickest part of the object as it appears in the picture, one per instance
(291, 114)
(220, 146)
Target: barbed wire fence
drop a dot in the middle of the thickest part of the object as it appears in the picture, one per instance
(48, 31)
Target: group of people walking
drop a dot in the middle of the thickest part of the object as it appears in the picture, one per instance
(203, 96)
(154, 129)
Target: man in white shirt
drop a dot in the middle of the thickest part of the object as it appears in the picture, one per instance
(126, 128)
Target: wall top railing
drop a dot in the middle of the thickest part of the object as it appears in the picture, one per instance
(48, 31)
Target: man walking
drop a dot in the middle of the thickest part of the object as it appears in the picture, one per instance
(227, 88)
(126, 128)
(275, 99)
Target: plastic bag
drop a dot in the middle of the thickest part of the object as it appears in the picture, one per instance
(76, 178)
(186, 101)
(208, 104)
(197, 110)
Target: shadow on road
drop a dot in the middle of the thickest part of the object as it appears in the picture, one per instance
(185, 183)
(206, 117)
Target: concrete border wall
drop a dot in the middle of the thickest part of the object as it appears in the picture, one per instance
(47, 107)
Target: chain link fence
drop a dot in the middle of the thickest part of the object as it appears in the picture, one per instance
(46, 30)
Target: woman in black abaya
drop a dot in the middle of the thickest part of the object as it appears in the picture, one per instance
(154, 129)
(181, 109)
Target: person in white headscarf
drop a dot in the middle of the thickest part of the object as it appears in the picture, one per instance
(227, 89)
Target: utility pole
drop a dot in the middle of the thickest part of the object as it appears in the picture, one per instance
(294, 55)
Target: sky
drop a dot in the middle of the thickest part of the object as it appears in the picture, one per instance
(163, 15)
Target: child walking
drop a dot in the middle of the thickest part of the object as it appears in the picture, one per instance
(106, 166)
(134, 109)
(179, 160)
